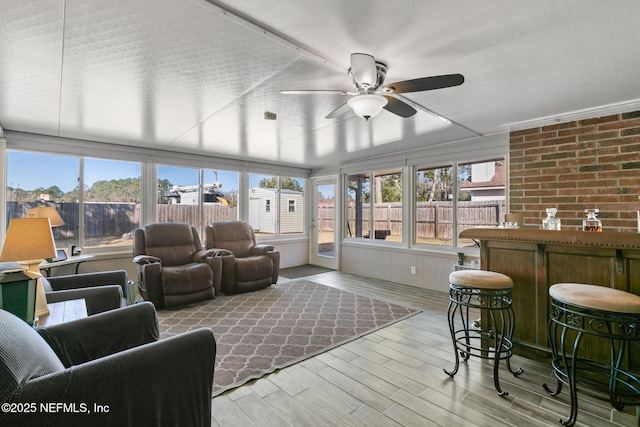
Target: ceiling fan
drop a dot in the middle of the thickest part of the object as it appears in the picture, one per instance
(370, 96)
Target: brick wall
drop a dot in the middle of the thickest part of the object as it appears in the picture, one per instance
(585, 164)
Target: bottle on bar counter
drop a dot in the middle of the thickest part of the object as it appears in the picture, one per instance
(551, 222)
(591, 223)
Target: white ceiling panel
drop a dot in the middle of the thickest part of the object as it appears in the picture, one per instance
(198, 75)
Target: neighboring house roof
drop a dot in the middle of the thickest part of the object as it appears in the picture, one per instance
(498, 180)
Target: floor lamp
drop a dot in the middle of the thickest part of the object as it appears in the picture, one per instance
(29, 241)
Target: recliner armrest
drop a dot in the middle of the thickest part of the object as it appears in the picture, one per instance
(221, 252)
(200, 256)
(261, 249)
(146, 259)
(103, 334)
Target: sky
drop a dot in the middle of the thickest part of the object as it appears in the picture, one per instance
(29, 171)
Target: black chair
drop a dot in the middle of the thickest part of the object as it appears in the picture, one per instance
(109, 369)
(102, 291)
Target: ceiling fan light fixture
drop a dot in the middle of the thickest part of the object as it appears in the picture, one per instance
(367, 105)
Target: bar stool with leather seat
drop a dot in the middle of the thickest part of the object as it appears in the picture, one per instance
(488, 293)
(599, 317)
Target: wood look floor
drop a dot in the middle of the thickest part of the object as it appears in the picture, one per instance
(394, 377)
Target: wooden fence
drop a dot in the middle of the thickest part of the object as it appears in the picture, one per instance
(119, 219)
(434, 220)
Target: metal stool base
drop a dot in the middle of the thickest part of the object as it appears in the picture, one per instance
(493, 343)
(608, 382)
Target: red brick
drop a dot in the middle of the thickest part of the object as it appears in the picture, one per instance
(597, 136)
(576, 131)
(620, 124)
(597, 120)
(619, 158)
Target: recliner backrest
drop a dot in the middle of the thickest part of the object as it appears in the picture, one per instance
(174, 243)
(235, 236)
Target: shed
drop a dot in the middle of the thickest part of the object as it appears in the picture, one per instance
(263, 210)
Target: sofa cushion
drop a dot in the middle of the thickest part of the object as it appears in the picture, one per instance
(24, 355)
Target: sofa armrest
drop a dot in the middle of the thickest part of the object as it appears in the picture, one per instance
(86, 280)
(106, 333)
(165, 383)
(97, 299)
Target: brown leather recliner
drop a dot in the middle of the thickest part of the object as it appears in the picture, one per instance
(246, 266)
(173, 269)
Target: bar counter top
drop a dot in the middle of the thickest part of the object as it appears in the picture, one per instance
(605, 239)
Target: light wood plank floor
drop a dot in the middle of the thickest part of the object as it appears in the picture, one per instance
(394, 377)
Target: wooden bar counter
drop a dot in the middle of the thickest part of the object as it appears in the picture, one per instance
(536, 259)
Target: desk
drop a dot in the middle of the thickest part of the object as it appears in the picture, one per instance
(72, 260)
(63, 311)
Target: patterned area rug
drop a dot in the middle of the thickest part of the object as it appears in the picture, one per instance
(260, 332)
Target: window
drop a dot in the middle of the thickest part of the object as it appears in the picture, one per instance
(380, 211)
(220, 195)
(45, 180)
(110, 198)
(358, 195)
(270, 199)
(481, 195)
(180, 198)
(479, 200)
(178, 195)
(111, 202)
(434, 205)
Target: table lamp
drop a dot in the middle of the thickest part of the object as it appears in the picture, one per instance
(29, 241)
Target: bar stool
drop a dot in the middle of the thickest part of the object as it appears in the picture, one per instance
(577, 311)
(490, 294)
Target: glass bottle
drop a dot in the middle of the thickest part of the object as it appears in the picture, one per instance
(551, 222)
(592, 223)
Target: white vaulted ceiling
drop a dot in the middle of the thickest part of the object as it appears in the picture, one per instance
(197, 76)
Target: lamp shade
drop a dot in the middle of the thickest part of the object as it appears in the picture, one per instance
(367, 106)
(28, 239)
(46, 212)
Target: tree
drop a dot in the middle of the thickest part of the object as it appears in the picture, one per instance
(434, 184)
(163, 189)
(390, 188)
(286, 183)
(115, 190)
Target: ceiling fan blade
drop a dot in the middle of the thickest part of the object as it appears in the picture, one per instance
(363, 69)
(399, 108)
(314, 92)
(343, 109)
(424, 83)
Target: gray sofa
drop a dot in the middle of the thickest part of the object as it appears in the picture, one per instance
(109, 369)
(102, 291)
